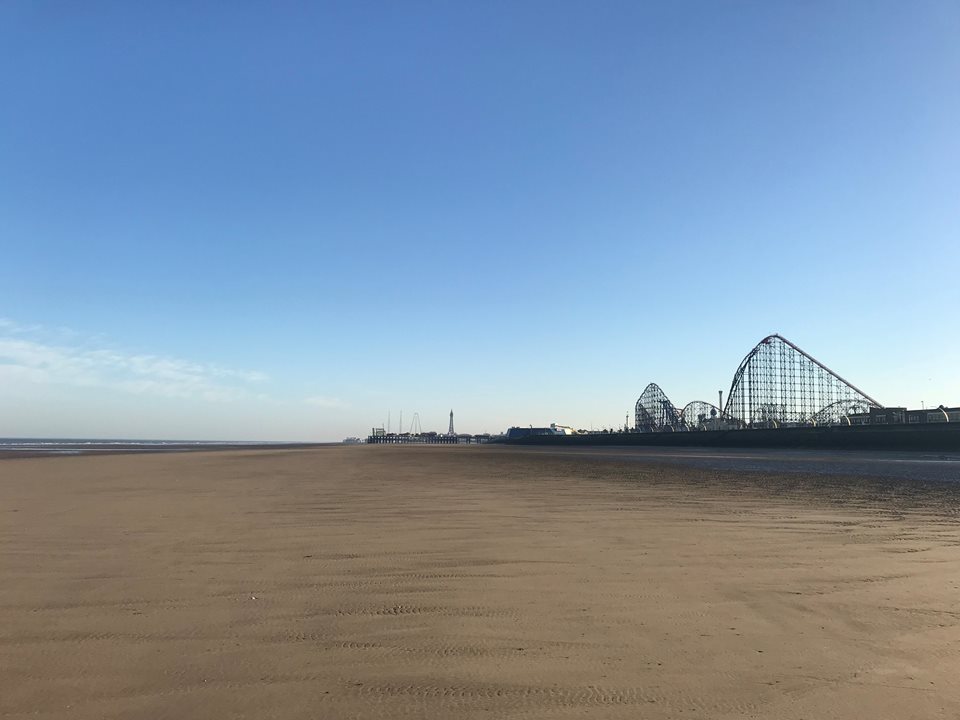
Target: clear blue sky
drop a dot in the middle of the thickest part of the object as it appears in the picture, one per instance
(281, 220)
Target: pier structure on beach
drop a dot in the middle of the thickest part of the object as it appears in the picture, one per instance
(378, 437)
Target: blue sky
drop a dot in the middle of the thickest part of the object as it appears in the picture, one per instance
(283, 220)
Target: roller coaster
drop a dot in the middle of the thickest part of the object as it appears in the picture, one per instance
(777, 385)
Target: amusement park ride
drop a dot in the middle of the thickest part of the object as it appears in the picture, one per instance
(776, 385)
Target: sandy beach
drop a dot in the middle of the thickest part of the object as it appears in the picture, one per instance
(465, 582)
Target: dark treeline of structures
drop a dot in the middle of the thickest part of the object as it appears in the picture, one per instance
(933, 437)
(780, 396)
(778, 388)
(874, 417)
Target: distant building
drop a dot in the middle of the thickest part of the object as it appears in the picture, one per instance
(515, 433)
(902, 416)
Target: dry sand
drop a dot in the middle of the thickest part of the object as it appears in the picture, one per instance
(432, 582)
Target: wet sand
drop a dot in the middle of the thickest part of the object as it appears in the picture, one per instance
(458, 582)
(938, 467)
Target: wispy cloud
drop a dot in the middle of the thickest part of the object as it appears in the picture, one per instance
(325, 401)
(24, 357)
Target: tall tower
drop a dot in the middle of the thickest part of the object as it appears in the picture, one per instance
(450, 431)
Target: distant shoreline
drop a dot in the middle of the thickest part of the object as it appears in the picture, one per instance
(13, 448)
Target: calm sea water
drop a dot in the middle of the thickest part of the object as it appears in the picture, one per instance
(74, 446)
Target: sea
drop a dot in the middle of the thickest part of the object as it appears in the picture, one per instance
(34, 447)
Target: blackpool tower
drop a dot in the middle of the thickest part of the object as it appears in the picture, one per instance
(450, 431)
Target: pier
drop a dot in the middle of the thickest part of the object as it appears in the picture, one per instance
(381, 438)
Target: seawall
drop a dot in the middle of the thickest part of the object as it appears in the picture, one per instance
(940, 437)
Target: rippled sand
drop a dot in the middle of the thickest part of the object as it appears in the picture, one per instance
(433, 582)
